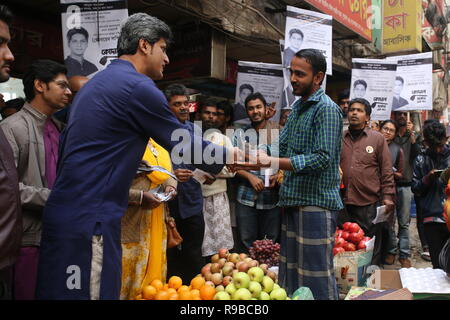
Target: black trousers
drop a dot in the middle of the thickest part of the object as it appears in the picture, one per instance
(186, 260)
(6, 279)
(363, 216)
(419, 223)
(437, 235)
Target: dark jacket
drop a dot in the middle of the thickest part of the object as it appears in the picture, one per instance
(10, 208)
(430, 190)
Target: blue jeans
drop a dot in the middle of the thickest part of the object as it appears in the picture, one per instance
(255, 224)
(404, 196)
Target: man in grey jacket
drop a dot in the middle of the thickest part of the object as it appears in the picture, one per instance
(33, 134)
(10, 210)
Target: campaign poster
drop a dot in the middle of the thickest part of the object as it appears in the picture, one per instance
(90, 29)
(252, 77)
(413, 87)
(373, 80)
(308, 29)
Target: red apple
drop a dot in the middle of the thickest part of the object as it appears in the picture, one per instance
(234, 257)
(215, 268)
(340, 242)
(221, 262)
(354, 227)
(227, 280)
(361, 245)
(242, 256)
(223, 253)
(337, 250)
(346, 225)
(206, 268)
(217, 278)
(345, 235)
(243, 267)
(355, 237)
(215, 258)
(272, 275)
(349, 247)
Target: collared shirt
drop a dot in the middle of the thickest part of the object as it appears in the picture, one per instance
(367, 169)
(311, 139)
(246, 195)
(75, 68)
(51, 142)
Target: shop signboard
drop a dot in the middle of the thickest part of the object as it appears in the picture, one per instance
(265, 78)
(90, 29)
(402, 26)
(413, 88)
(373, 80)
(308, 29)
(353, 14)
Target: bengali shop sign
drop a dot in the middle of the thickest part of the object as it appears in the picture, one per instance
(354, 14)
(402, 26)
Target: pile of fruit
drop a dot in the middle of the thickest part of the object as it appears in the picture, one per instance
(265, 252)
(350, 238)
(175, 290)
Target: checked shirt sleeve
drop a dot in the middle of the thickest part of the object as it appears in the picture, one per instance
(328, 127)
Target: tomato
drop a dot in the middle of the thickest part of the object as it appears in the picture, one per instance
(345, 235)
(337, 250)
(339, 242)
(361, 245)
(349, 247)
(354, 227)
(346, 225)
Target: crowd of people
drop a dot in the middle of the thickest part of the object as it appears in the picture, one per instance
(91, 175)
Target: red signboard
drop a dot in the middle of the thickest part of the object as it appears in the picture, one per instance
(354, 14)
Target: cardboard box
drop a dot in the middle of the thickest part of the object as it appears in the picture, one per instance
(350, 269)
(390, 279)
(364, 293)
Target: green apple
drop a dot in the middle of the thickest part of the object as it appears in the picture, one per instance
(264, 296)
(255, 288)
(276, 286)
(267, 284)
(230, 289)
(220, 288)
(253, 299)
(242, 294)
(256, 274)
(241, 280)
(278, 294)
(222, 295)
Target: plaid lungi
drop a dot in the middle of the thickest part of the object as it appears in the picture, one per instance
(306, 259)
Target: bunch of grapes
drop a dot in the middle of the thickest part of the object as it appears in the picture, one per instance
(265, 251)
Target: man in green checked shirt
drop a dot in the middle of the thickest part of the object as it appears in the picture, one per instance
(309, 150)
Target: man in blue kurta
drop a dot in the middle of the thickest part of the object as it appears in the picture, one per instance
(111, 120)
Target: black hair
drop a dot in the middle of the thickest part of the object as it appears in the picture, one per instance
(246, 86)
(292, 31)
(206, 102)
(315, 58)
(400, 79)
(6, 15)
(389, 121)
(254, 96)
(344, 94)
(227, 109)
(43, 70)
(75, 31)
(360, 81)
(364, 102)
(434, 132)
(176, 89)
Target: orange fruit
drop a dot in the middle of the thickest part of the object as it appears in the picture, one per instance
(196, 298)
(165, 287)
(149, 292)
(207, 292)
(175, 282)
(184, 295)
(183, 288)
(157, 284)
(171, 291)
(139, 297)
(162, 295)
(195, 293)
(197, 282)
(173, 296)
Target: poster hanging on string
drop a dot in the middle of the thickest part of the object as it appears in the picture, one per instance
(90, 29)
(308, 29)
(413, 86)
(373, 80)
(252, 77)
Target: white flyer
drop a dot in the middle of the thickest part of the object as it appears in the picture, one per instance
(308, 29)
(90, 29)
(381, 215)
(373, 80)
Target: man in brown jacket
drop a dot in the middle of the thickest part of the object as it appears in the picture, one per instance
(10, 211)
(367, 173)
(33, 134)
